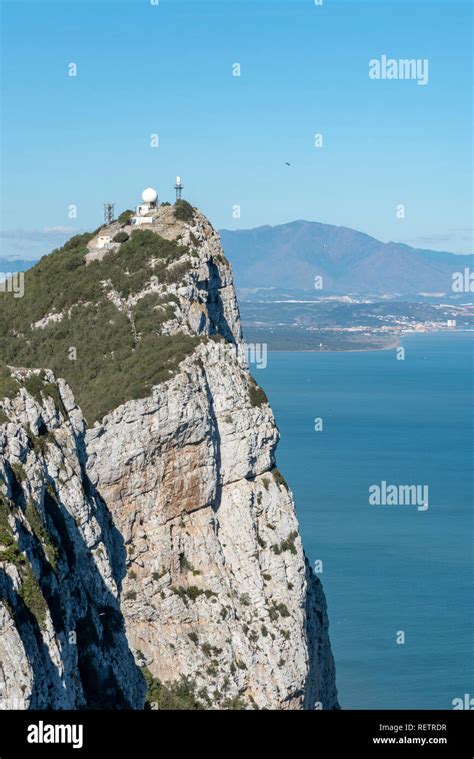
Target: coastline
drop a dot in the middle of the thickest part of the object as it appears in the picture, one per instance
(391, 345)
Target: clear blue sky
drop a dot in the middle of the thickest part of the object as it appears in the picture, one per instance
(167, 69)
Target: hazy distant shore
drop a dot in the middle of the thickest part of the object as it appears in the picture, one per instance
(303, 341)
(295, 340)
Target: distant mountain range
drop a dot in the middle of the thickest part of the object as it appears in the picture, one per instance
(11, 266)
(291, 255)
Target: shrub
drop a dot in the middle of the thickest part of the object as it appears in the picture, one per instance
(278, 609)
(19, 471)
(10, 551)
(207, 649)
(33, 597)
(78, 241)
(9, 387)
(40, 443)
(286, 545)
(289, 543)
(273, 613)
(192, 593)
(184, 211)
(130, 595)
(158, 575)
(279, 479)
(186, 565)
(41, 534)
(202, 693)
(121, 237)
(180, 694)
(234, 703)
(125, 216)
(256, 394)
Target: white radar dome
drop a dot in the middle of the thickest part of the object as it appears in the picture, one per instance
(149, 195)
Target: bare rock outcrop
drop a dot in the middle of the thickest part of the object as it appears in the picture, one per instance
(163, 537)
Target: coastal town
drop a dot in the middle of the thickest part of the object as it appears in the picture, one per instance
(348, 322)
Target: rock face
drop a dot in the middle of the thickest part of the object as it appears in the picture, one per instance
(62, 637)
(164, 531)
(206, 302)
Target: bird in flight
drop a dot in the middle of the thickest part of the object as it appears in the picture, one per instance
(288, 164)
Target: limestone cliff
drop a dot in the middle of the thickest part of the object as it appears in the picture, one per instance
(62, 637)
(162, 537)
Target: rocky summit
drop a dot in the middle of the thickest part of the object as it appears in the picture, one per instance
(150, 556)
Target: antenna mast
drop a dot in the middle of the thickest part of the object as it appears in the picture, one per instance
(179, 188)
(109, 209)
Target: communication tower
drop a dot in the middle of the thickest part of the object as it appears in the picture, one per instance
(179, 188)
(109, 210)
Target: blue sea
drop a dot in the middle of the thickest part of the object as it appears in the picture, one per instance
(386, 569)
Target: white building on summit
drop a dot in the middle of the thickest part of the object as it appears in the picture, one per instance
(146, 210)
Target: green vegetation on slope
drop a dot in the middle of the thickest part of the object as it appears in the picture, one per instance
(41, 534)
(105, 354)
(10, 553)
(181, 695)
(184, 211)
(125, 216)
(177, 695)
(8, 385)
(256, 394)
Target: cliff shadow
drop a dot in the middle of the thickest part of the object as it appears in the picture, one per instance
(85, 614)
(215, 304)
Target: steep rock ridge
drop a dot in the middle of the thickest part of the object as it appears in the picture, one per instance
(217, 587)
(183, 525)
(206, 301)
(62, 639)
